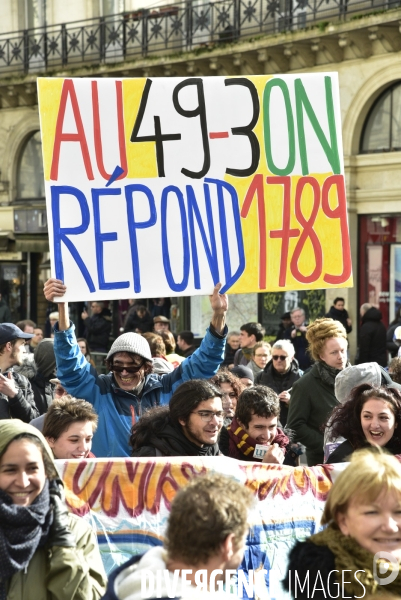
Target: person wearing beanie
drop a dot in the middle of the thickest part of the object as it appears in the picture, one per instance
(244, 374)
(16, 394)
(130, 388)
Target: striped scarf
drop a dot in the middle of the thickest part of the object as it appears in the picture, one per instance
(242, 445)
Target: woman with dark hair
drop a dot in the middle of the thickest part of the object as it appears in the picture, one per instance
(231, 387)
(45, 552)
(371, 416)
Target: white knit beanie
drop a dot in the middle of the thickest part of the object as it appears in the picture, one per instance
(131, 342)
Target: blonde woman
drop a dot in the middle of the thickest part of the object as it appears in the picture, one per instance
(312, 396)
(363, 539)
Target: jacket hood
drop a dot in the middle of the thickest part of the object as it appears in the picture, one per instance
(373, 314)
(45, 358)
(351, 377)
(172, 441)
(162, 366)
(10, 428)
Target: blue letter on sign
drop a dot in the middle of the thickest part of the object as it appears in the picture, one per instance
(60, 234)
(100, 238)
(176, 287)
(133, 225)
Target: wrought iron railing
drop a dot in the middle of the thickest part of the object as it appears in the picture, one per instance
(174, 28)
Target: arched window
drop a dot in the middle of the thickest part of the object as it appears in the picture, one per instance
(30, 180)
(382, 129)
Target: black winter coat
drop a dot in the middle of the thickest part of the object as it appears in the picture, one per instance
(43, 392)
(339, 315)
(97, 332)
(344, 450)
(372, 339)
(229, 354)
(391, 346)
(5, 313)
(22, 406)
(311, 565)
(279, 382)
(300, 344)
(134, 321)
(170, 441)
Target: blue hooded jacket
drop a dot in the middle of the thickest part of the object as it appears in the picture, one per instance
(112, 404)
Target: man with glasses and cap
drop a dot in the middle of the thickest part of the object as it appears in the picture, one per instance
(16, 394)
(130, 389)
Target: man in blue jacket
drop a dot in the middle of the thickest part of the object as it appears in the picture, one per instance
(130, 387)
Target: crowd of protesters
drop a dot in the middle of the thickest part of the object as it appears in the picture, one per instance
(234, 395)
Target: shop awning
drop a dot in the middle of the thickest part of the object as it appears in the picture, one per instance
(32, 244)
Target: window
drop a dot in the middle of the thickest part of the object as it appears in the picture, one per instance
(382, 129)
(35, 11)
(30, 179)
(111, 7)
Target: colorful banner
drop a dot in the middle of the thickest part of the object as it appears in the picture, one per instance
(128, 502)
(166, 186)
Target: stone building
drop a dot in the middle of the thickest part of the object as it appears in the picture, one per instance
(360, 39)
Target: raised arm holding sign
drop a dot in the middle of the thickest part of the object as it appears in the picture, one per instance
(130, 382)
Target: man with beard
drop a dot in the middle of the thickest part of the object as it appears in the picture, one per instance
(189, 426)
(130, 388)
(16, 395)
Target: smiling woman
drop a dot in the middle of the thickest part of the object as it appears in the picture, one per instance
(363, 514)
(371, 416)
(45, 551)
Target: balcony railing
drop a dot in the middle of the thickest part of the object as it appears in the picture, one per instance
(168, 29)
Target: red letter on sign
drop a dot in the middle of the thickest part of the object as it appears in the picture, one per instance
(308, 232)
(69, 90)
(338, 213)
(257, 187)
(98, 135)
(285, 233)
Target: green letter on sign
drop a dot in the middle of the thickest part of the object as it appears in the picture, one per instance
(330, 149)
(290, 127)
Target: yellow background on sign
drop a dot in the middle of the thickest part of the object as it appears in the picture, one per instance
(141, 160)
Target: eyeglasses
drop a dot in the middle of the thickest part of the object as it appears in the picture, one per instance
(207, 415)
(130, 369)
(279, 357)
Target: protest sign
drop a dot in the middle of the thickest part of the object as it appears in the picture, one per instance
(128, 501)
(166, 186)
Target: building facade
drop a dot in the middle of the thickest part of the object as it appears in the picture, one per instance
(116, 38)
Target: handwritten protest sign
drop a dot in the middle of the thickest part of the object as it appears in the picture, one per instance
(166, 186)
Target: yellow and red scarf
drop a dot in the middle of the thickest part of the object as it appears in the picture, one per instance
(242, 445)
